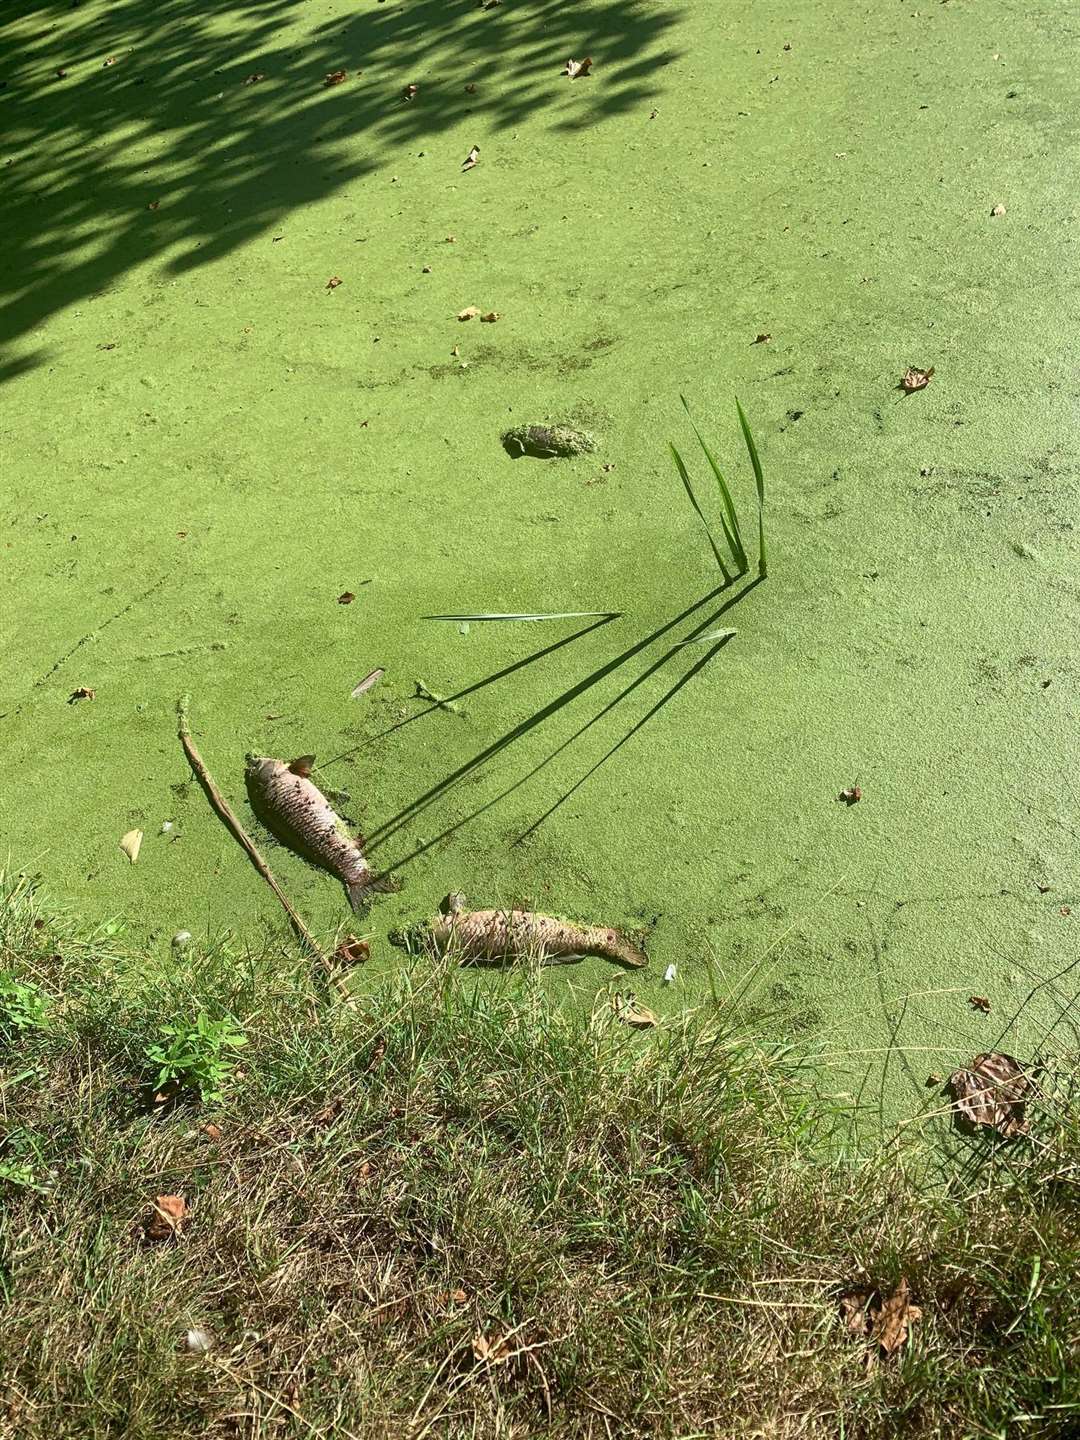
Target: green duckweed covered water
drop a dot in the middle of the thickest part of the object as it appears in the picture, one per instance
(205, 446)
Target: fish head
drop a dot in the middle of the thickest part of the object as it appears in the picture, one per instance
(261, 769)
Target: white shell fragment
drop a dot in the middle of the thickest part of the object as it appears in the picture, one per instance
(181, 938)
(669, 974)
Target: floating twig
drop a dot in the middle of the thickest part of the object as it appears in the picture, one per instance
(221, 805)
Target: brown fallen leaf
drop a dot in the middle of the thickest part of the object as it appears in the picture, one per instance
(489, 318)
(346, 597)
(335, 77)
(851, 796)
(371, 678)
(895, 1315)
(84, 692)
(254, 79)
(979, 1002)
(992, 1093)
(762, 339)
(468, 313)
(110, 61)
(130, 844)
(574, 68)
(212, 1131)
(410, 92)
(998, 211)
(330, 1111)
(854, 1311)
(458, 1296)
(490, 1349)
(631, 1012)
(334, 282)
(167, 1217)
(914, 379)
(154, 204)
(352, 951)
(378, 1050)
(472, 159)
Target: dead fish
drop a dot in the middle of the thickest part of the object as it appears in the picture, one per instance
(285, 798)
(502, 936)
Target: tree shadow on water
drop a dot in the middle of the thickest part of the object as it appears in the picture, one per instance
(213, 122)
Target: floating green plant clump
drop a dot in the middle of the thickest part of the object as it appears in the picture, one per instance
(547, 442)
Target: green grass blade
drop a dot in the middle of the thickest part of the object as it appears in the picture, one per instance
(554, 615)
(701, 516)
(759, 480)
(731, 526)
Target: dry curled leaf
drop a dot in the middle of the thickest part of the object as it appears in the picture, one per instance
(998, 211)
(346, 597)
(472, 159)
(410, 92)
(979, 1002)
(330, 1111)
(212, 1131)
(110, 61)
(335, 77)
(853, 1311)
(914, 379)
(891, 1322)
(153, 205)
(762, 339)
(167, 1217)
(254, 78)
(130, 844)
(851, 796)
(84, 692)
(933, 1081)
(333, 282)
(631, 1012)
(490, 1349)
(489, 318)
(469, 313)
(352, 951)
(992, 1093)
(574, 68)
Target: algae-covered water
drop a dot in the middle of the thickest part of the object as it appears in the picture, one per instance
(204, 446)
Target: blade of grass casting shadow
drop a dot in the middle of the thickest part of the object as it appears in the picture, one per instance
(684, 476)
(477, 685)
(675, 650)
(731, 526)
(421, 803)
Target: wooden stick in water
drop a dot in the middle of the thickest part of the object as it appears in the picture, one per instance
(221, 805)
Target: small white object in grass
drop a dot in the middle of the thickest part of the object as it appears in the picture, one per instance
(669, 974)
(180, 939)
(198, 1342)
(166, 826)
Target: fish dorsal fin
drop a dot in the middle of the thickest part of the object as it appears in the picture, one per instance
(302, 765)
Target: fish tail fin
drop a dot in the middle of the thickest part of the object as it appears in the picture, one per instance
(361, 892)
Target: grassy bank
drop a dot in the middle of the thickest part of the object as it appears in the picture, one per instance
(461, 1211)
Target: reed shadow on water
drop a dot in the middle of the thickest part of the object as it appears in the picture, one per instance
(379, 837)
